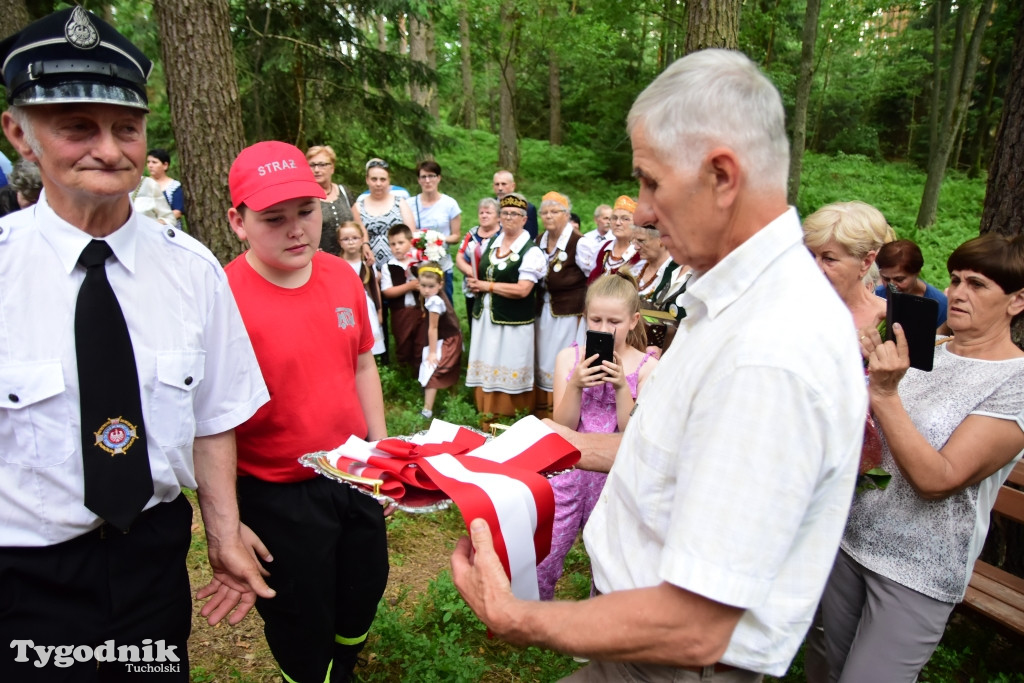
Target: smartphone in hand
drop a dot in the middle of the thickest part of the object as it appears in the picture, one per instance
(601, 343)
(918, 317)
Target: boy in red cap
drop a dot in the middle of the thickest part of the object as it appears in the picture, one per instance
(305, 312)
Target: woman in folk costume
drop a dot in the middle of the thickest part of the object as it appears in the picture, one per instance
(619, 252)
(501, 354)
(562, 294)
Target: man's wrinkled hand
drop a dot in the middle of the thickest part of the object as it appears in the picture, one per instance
(480, 577)
(237, 578)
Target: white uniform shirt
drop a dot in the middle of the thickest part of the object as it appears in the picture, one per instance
(587, 248)
(198, 374)
(736, 470)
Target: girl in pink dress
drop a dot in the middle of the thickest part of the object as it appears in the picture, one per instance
(594, 398)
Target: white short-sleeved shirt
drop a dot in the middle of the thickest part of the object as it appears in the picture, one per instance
(387, 282)
(560, 246)
(930, 545)
(587, 248)
(534, 264)
(438, 216)
(435, 304)
(735, 472)
(198, 374)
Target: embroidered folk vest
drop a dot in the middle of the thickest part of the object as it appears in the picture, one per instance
(565, 282)
(505, 311)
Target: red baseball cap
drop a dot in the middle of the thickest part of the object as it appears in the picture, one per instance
(270, 172)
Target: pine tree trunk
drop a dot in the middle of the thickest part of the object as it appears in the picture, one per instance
(803, 96)
(941, 10)
(403, 46)
(382, 32)
(958, 96)
(554, 99)
(433, 104)
(469, 104)
(712, 23)
(508, 139)
(981, 137)
(13, 17)
(1004, 209)
(206, 115)
(418, 54)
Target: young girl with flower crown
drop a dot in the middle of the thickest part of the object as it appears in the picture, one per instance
(440, 335)
(594, 397)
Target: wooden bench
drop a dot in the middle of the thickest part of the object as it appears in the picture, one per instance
(992, 592)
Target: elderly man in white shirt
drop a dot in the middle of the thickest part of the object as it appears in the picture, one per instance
(592, 241)
(719, 523)
(125, 367)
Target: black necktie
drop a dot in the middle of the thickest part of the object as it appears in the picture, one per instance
(118, 482)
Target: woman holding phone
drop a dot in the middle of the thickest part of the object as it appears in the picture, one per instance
(950, 438)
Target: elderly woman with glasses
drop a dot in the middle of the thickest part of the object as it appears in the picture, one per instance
(501, 353)
(434, 210)
(618, 252)
(380, 209)
(337, 207)
(470, 252)
(655, 263)
(561, 294)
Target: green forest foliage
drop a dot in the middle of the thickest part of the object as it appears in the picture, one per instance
(320, 72)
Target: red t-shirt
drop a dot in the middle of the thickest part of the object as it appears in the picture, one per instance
(307, 341)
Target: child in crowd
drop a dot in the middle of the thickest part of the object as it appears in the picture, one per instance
(440, 335)
(592, 398)
(350, 239)
(306, 317)
(400, 289)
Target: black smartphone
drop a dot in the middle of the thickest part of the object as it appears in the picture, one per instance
(601, 343)
(919, 318)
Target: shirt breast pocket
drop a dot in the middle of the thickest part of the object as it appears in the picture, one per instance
(35, 415)
(178, 374)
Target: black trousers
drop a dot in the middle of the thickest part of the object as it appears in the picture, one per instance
(330, 568)
(77, 596)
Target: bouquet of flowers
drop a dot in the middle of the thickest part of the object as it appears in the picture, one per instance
(429, 245)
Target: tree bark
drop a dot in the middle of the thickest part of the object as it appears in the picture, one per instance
(1004, 208)
(13, 17)
(382, 32)
(202, 89)
(554, 99)
(433, 105)
(941, 9)
(418, 30)
(803, 96)
(712, 23)
(981, 137)
(958, 96)
(508, 138)
(469, 103)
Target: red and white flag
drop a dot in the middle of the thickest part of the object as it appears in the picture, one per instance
(498, 480)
